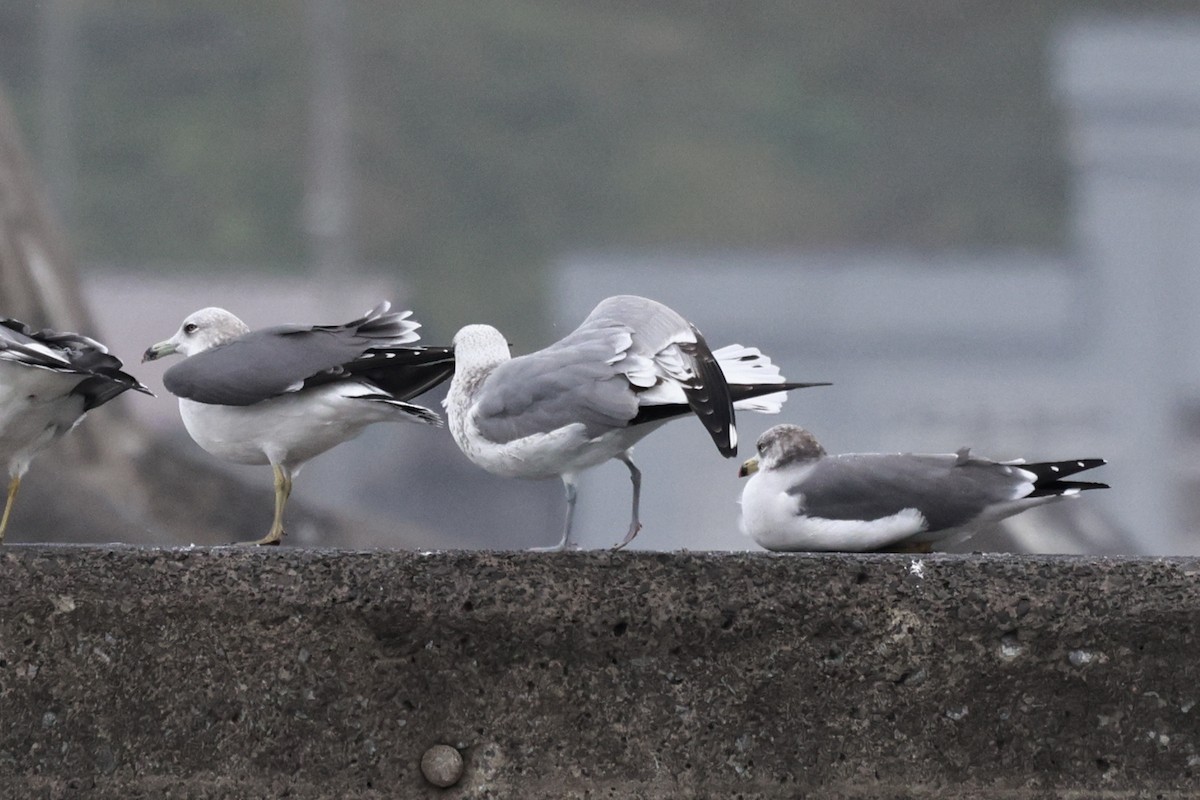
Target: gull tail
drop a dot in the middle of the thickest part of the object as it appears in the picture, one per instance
(733, 377)
(755, 381)
(381, 327)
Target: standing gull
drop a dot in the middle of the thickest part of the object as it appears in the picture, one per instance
(631, 366)
(283, 395)
(800, 499)
(48, 382)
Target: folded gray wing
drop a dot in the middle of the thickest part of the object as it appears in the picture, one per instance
(263, 364)
(945, 489)
(657, 327)
(575, 380)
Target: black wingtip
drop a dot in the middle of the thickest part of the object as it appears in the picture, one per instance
(413, 371)
(746, 391)
(1058, 488)
(710, 399)
(1054, 471)
(1050, 476)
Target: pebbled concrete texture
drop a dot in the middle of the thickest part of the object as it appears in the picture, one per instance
(235, 673)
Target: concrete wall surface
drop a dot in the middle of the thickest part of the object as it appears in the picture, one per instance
(236, 673)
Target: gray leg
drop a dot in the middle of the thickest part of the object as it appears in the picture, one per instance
(635, 475)
(565, 542)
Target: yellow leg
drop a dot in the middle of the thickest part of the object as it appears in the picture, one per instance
(13, 486)
(283, 489)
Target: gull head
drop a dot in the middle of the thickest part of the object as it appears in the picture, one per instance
(780, 446)
(479, 347)
(202, 330)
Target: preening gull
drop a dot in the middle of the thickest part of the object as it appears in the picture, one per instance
(631, 366)
(48, 382)
(283, 395)
(800, 499)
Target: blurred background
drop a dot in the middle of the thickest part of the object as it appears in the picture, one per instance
(978, 219)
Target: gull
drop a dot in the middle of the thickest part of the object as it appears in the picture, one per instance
(630, 367)
(48, 381)
(286, 394)
(799, 498)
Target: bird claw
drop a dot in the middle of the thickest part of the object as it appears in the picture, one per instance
(266, 541)
(628, 537)
(561, 547)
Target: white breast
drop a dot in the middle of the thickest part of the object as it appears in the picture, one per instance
(35, 408)
(776, 520)
(289, 429)
(545, 455)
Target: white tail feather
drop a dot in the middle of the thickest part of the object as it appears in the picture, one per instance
(388, 329)
(741, 365)
(747, 365)
(766, 404)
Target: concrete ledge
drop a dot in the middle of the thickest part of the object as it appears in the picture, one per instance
(233, 673)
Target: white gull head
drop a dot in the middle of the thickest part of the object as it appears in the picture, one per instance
(479, 347)
(478, 350)
(200, 331)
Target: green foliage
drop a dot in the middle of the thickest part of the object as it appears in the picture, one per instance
(491, 137)
(191, 127)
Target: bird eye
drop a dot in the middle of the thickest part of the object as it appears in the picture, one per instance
(190, 327)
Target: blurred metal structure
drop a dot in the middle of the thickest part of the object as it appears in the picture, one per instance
(1133, 108)
(37, 277)
(329, 199)
(60, 23)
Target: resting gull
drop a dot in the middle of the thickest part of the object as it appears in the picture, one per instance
(283, 395)
(48, 382)
(631, 366)
(800, 499)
